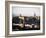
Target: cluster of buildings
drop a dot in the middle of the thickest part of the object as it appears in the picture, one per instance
(26, 23)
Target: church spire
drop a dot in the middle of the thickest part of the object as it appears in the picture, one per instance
(34, 14)
(20, 15)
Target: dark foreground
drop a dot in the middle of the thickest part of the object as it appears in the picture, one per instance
(25, 23)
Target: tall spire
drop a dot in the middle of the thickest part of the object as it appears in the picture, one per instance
(20, 14)
(34, 14)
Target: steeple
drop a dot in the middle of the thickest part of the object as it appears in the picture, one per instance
(20, 15)
(34, 15)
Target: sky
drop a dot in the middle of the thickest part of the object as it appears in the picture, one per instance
(25, 11)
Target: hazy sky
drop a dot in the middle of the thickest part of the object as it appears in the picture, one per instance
(25, 11)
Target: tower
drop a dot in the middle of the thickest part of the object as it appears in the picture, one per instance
(34, 15)
(20, 15)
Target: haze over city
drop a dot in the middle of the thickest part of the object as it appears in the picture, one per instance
(25, 11)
